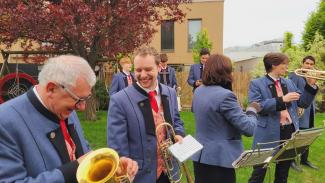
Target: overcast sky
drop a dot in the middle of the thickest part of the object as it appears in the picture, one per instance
(250, 21)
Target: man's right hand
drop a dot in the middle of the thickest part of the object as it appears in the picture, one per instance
(291, 96)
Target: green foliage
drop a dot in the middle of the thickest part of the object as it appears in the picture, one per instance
(316, 22)
(101, 94)
(202, 41)
(259, 69)
(287, 42)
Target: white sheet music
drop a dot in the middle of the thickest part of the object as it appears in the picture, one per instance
(186, 149)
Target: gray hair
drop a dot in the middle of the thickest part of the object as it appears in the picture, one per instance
(66, 69)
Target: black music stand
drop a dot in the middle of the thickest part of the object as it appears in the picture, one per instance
(299, 142)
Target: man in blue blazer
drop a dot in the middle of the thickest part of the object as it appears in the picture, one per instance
(134, 114)
(41, 139)
(279, 99)
(306, 119)
(167, 74)
(195, 76)
(123, 78)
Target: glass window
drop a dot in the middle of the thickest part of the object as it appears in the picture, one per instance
(167, 35)
(194, 26)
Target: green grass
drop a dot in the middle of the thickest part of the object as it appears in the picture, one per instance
(95, 133)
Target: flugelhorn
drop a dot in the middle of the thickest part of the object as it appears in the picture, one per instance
(100, 166)
(173, 168)
(311, 73)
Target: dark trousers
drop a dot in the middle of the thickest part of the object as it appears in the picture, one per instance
(213, 174)
(281, 168)
(304, 156)
(163, 179)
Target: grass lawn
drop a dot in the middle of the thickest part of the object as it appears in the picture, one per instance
(95, 133)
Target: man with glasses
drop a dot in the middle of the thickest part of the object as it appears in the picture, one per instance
(41, 139)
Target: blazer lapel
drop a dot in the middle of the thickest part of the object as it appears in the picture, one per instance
(271, 86)
(145, 107)
(57, 140)
(125, 79)
(165, 104)
(75, 137)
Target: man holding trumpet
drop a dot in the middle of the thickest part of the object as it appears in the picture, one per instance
(307, 115)
(41, 139)
(134, 114)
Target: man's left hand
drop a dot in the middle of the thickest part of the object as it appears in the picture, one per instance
(178, 138)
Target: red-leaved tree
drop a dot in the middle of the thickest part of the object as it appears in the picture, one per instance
(93, 29)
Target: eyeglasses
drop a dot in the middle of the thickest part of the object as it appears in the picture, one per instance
(79, 100)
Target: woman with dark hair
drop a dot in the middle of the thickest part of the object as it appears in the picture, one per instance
(220, 122)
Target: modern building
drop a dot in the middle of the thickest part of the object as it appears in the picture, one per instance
(176, 38)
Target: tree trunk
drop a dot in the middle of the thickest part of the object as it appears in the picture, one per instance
(91, 106)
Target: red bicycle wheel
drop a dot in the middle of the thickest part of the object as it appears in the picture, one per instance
(13, 85)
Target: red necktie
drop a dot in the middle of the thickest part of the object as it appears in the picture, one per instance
(153, 101)
(277, 83)
(66, 136)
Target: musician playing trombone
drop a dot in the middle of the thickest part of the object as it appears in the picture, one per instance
(307, 115)
(136, 111)
(278, 119)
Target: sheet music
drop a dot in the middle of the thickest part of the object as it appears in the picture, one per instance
(186, 149)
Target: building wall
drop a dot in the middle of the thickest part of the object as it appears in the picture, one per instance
(247, 65)
(211, 13)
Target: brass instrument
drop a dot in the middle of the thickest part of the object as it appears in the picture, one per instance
(100, 166)
(173, 168)
(310, 73)
(300, 112)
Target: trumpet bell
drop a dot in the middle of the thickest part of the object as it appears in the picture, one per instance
(99, 166)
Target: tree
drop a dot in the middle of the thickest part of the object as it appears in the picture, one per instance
(93, 29)
(316, 22)
(202, 41)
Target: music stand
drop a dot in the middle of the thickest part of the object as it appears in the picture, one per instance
(289, 149)
(254, 157)
(300, 141)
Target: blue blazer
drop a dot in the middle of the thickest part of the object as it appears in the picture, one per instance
(196, 71)
(32, 147)
(131, 128)
(263, 91)
(119, 82)
(304, 121)
(220, 122)
(171, 77)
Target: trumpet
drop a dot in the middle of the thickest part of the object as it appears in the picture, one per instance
(100, 166)
(310, 73)
(173, 168)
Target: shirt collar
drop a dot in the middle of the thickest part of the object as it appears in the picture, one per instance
(274, 79)
(147, 90)
(38, 97)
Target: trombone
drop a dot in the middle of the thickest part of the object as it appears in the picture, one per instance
(310, 73)
(173, 168)
(100, 166)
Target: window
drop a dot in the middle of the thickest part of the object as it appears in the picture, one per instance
(194, 27)
(167, 35)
